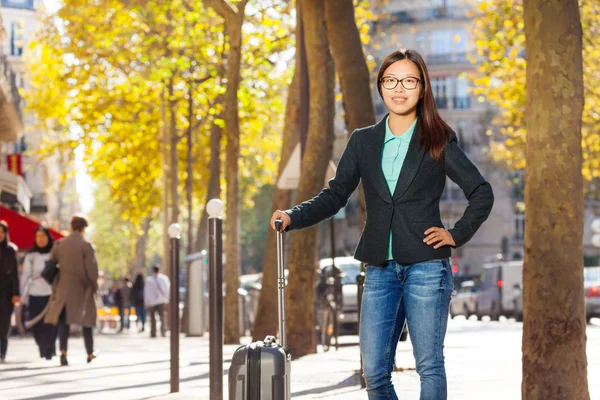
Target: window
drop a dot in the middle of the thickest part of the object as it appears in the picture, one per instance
(448, 45)
(23, 4)
(16, 38)
(460, 41)
(462, 132)
(442, 41)
(441, 87)
(421, 42)
(519, 225)
(452, 192)
(461, 99)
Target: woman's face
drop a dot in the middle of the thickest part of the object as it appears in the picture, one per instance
(402, 101)
(41, 239)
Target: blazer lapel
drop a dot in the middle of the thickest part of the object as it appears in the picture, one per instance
(375, 153)
(411, 163)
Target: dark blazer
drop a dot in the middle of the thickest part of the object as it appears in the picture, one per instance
(415, 204)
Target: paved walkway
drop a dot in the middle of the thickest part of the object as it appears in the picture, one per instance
(483, 361)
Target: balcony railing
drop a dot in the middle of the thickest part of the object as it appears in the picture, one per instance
(430, 14)
(461, 102)
(447, 58)
(441, 102)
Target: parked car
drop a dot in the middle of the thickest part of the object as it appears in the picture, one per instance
(350, 268)
(501, 290)
(464, 300)
(591, 284)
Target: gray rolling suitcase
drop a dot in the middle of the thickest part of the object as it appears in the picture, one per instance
(261, 370)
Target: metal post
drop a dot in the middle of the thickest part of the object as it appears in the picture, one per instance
(175, 235)
(281, 285)
(215, 294)
(360, 284)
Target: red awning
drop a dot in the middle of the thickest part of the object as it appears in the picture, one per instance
(21, 229)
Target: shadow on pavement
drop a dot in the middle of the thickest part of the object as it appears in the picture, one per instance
(353, 380)
(142, 385)
(61, 370)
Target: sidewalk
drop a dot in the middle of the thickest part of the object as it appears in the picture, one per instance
(482, 358)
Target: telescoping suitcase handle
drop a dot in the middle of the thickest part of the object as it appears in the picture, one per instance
(280, 284)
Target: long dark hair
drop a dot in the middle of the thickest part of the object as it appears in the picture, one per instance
(48, 247)
(434, 131)
(138, 283)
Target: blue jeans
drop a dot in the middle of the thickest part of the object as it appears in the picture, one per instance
(140, 311)
(420, 294)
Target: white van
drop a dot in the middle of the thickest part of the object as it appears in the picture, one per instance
(501, 290)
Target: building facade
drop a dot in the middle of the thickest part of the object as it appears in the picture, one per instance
(53, 199)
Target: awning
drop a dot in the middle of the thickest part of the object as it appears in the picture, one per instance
(14, 189)
(22, 229)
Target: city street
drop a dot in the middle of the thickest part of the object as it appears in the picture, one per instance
(482, 358)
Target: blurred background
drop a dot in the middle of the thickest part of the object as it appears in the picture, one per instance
(132, 112)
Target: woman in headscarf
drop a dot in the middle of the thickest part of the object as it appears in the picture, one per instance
(9, 286)
(39, 291)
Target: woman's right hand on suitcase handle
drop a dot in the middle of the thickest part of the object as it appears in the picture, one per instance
(284, 217)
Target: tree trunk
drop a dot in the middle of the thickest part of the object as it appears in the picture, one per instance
(554, 331)
(174, 158)
(166, 173)
(265, 322)
(303, 252)
(352, 70)
(140, 248)
(233, 14)
(189, 180)
(214, 185)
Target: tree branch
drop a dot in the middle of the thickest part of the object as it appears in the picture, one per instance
(224, 8)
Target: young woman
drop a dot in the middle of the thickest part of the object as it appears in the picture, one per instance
(137, 300)
(403, 162)
(9, 286)
(39, 291)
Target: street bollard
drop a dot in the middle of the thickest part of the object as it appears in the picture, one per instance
(175, 235)
(360, 285)
(215, 277)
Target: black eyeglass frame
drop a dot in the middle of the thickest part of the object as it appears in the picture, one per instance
(401, 81)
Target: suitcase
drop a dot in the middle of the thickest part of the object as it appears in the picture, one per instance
(261, 370)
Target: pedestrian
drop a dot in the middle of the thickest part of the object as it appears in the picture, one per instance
(9, 286)
(403, 162)
(36, 292)
(137, 300)
(116, 296)
(156, 295)
(72, 300)
(125, 310)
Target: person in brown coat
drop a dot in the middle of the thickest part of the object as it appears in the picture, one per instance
(72, 300)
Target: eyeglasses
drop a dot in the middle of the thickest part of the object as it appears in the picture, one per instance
(408, 83)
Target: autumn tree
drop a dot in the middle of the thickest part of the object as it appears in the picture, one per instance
(499, 42)
(554, 329)
(119, 81)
